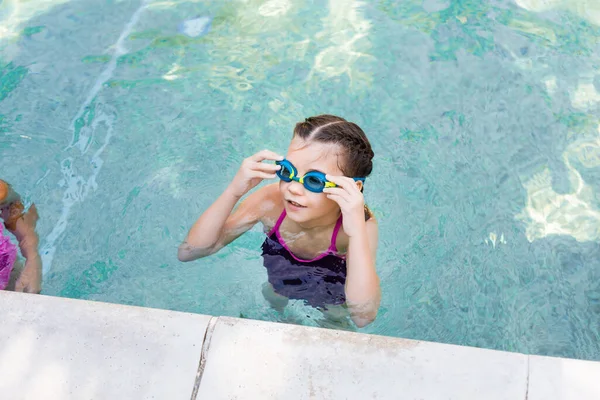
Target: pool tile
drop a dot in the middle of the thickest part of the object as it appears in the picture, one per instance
(55, 348)
(257, 360)
(563, 379)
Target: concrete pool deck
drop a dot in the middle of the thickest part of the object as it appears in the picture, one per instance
(56, 348)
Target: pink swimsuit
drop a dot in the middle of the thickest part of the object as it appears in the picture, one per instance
(8, 255)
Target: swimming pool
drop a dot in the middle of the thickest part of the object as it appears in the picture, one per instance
(124, 120)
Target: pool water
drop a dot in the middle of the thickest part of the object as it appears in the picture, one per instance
(124, 120)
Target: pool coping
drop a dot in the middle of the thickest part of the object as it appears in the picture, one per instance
(65, 348)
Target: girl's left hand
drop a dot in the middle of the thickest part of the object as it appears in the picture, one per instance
(351, 201)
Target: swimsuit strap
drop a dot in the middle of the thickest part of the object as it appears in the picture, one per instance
(278, 223)
(333, 247)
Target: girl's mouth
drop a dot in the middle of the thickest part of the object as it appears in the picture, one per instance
(293, 203)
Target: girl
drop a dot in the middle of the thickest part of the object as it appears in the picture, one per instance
(321, 238)
(22, 225)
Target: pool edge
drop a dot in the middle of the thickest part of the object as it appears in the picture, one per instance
(71, 348)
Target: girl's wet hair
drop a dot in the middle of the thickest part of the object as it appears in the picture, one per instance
(358, 155)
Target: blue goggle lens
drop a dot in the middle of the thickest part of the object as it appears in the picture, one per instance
(314, 183)
(285, 173)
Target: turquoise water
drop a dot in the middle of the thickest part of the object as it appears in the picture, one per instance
(122, 124)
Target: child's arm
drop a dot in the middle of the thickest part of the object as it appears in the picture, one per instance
(217, 227)
(30, 280)
(363, 293)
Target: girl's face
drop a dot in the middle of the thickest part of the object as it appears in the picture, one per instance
(302, 205)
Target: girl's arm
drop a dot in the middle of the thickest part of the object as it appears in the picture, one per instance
(217, 227)
(363, 293)
(30, 280)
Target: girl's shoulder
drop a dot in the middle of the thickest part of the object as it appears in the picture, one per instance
(270, 203)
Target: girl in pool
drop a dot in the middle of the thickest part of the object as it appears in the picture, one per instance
(13, 276)
(321, 238)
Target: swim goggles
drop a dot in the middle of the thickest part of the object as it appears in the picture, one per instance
(313, 181)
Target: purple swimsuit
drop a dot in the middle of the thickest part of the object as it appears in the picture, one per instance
(8, 255)
(319, 282)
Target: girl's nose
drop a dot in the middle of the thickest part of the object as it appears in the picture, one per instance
(296, 188)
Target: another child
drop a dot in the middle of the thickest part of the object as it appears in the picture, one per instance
(321, 238)
(12, 274)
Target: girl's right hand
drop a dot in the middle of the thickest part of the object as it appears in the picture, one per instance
(253, 171)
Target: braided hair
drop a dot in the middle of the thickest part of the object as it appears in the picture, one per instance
(357, 160)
